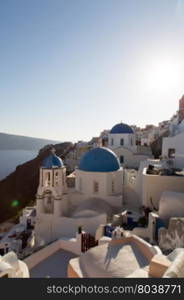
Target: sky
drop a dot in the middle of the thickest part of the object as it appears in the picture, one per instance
(71, 68)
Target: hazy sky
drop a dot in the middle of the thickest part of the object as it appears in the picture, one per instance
(71, 68)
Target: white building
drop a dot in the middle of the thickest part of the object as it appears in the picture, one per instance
(100, 175)
(52, 187)
(153, 185)
(28, 217)
(173, 149)
(93, 200)
(121, 135)
(11, 267)
(122, 140)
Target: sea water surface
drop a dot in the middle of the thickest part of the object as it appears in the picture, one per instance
(10, 159)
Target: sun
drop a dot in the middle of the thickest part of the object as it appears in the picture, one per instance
(163, 74)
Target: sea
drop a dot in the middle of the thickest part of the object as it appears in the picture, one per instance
(10, 159)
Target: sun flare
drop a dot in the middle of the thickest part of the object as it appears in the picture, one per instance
(163, 74)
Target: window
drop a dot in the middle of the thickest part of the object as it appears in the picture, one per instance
(95, 187)
(48, 203)
(121, 159)
(56, 178)
(171, 153)
(48, 179)
(113, 187)
(122, 142)
(104, 142)
(2, 251)
(112, 142)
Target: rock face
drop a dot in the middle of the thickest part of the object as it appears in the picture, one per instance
(156, 146)
(19, 188)
(173, 237)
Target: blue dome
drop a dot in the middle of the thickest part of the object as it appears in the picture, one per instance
(52, 161)
(99, 160)
(121, 128)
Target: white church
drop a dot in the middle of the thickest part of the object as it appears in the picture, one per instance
(95, 198)
(97, 193)
(122, 140)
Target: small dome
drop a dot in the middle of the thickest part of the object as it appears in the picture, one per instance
(121, 128)
(99, 159)
(52, 161)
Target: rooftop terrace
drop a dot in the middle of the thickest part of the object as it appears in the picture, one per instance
(53, 266)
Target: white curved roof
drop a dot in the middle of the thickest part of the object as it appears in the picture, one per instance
(92, 207)
(112, 260)
(8, 262)
(4, 267)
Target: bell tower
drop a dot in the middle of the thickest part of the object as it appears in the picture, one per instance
(52, 185)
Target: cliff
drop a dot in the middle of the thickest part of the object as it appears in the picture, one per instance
(19, 188)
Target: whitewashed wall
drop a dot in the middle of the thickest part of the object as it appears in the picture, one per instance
(85, 185)
(129, 140)
(171, 205)
(131, 159)
(73, 246)
(177, 143)
(155, 185)
(49, 229)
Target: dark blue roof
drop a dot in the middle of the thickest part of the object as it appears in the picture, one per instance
(52, 161)
(99, 159)
(121, 128)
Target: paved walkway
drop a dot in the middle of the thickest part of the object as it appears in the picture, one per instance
(53, 266)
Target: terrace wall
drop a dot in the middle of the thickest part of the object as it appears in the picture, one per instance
(155, 185)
